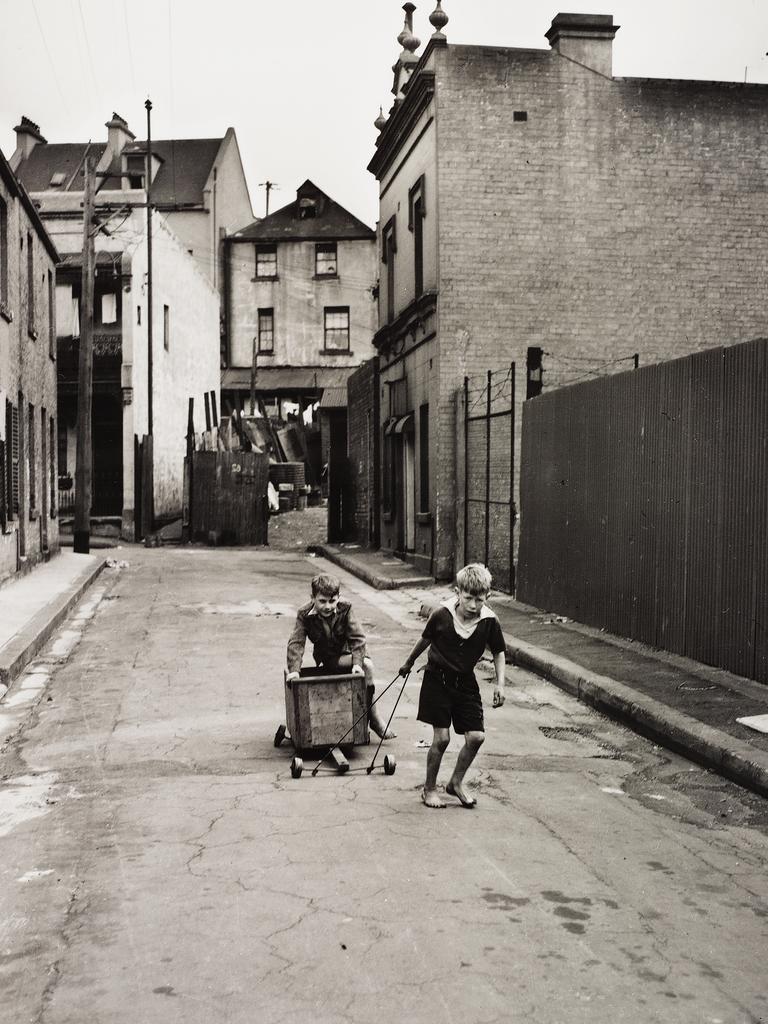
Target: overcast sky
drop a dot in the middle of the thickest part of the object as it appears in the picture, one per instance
(301, 81)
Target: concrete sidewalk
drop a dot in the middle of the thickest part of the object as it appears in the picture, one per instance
(683, 705)
(33, 606)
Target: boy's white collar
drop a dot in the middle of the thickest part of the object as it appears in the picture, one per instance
(466, 628)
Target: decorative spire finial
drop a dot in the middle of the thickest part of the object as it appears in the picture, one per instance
(407, 39)
(381, 122)
(438, 19)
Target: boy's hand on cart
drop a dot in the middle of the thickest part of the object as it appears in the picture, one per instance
(290, 676)
(405, 670)
(498, 696)
(357, 670)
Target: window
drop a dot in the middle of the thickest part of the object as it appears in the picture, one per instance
(416, 214)
(135, 169)
(389, 248)
(325, 260)
(30, 289)
(307, 208)
(4, 310)
(108, 308)
(32, 450)
(424, 458)
(167, 328)
(337, 328)
(266, 261)
(51, 316)
(266, 330)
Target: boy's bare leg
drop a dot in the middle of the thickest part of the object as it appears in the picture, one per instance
(440, 740)
(472, 743)
(375, 720)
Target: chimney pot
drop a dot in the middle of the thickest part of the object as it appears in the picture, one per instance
(586, 39)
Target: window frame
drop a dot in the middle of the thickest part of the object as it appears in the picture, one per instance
(264, 314)
(417, 211)
(388, 252)
(166, 327)
(336, 331)
(326, 247)
(262, 250)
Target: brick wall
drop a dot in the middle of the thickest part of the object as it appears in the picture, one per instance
(622, 216)
(28, 368)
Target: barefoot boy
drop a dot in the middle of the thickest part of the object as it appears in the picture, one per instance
(456, 634)
(339, 642)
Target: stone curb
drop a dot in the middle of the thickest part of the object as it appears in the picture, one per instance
(365, 574)
(28, 641)
(727, 755)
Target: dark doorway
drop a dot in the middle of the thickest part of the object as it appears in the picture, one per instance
(107, 497)
(339, 511)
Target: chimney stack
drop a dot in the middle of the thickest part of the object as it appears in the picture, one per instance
(586, 39)
(118, 135)
(27, 137)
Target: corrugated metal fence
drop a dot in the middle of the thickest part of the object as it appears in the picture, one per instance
(644, 506)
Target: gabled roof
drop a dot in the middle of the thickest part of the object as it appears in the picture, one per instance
(185, 165)
(312, 216)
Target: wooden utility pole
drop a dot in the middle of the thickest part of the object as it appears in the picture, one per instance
(268, 186)
(84, 468)
(148, 187)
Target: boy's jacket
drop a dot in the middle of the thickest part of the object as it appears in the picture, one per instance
(332, 637)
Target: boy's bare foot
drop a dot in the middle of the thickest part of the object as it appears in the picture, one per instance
(380, 728)
(430, 798)
(457, 790)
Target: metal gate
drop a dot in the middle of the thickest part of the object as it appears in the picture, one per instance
(489, 463)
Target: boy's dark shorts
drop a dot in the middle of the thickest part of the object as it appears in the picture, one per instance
(448, 698)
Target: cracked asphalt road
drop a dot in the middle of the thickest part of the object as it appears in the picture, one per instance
(160, 863)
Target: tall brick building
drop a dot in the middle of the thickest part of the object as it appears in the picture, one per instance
(529, 199)
(29, 529)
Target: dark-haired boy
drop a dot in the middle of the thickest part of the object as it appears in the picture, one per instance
(330, 624)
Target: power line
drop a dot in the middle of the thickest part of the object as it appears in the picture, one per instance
(50, 59)
(128, 42)
(88, 46)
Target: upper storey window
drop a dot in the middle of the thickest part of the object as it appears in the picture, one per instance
(416, 214)
(266, 261)
(388, 250)
(326, 264)
(135, 169)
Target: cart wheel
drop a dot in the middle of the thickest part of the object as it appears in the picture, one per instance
(389, 765)
(297, 766)
(279, 735)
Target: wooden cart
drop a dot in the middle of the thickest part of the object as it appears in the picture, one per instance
(321, 708)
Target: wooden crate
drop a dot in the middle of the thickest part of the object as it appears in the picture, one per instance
(319, 709)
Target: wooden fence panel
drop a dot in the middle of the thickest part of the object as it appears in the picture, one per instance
(229, 497)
